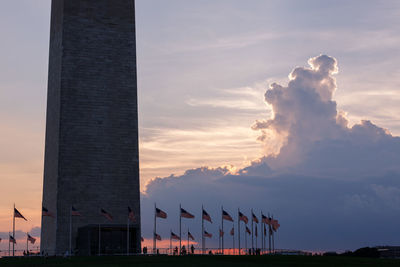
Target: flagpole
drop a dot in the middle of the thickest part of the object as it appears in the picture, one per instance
(269, 234)
(9, 252)
(233, 238)
(238, 231)
(188, 243)
(273, 239)
(245, 239)
(255, 249)
(99, 239)
(170, 241)
(180, 230)
(222, 237)
(127, 238)
(219, 240)
(252, 232)
(262, 231)
(26, 243)
(70, 230)
(155, 229)
(202, 230)
(13, 228)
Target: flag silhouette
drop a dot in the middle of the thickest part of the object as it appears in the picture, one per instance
(226, 216)
(243, 218)
(206, 216)
(18, 214)
(161, 214)
(186, 214)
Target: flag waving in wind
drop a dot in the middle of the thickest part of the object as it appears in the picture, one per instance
(12, 240)
(248, 230)
(131, 215)
(106, 214)
(190, 236)
(157, 236)
(264, 219)
(207, 234)
(174, 236)
(243, 218)
(75, 212)
(232, 231)
(186, 214)
(255, 219)
(31, 239)
(226, 216)
(18, 214)
(161, 214)
(46, 212)
(206, 216)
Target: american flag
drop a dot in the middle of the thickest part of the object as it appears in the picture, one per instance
(248, 230)
(190, 236)
(174, 236)
(31, 239)
(232, 231)
(186, 214)
(161, 214)
(255, 219)
(275, 225)
(18, 214)
(131, 215)
(106, 214)
(12, 240)
(75, 212)
(207, 234)
(206, 216)
(226, 216)
(46, 212)
(243, 218)
(264, 219)
(221, 233)
(157, 236)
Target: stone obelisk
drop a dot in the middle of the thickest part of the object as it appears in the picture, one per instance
(91, 152)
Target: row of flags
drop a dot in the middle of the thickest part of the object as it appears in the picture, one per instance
(75, 212)
(225, 215)
(11, 239)
(273, 223)
(29, 238)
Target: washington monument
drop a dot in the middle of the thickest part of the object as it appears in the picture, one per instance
(91, 164)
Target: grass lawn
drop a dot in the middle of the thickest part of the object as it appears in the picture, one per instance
(208, 261)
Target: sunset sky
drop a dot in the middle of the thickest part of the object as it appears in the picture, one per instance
(208, 132)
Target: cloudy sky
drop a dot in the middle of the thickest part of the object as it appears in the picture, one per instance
(232, 107)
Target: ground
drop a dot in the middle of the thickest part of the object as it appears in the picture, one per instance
(220, 261)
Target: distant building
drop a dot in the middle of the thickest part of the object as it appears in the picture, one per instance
(91, 153)
(389, 251)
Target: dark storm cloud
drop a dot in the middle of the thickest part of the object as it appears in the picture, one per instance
(331, 186)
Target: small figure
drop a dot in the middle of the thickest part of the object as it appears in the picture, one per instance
(183, 250)
(192, 249)
(176, 251)
(145, 250)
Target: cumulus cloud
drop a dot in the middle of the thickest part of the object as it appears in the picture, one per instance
(331, 185)
(314, 135)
